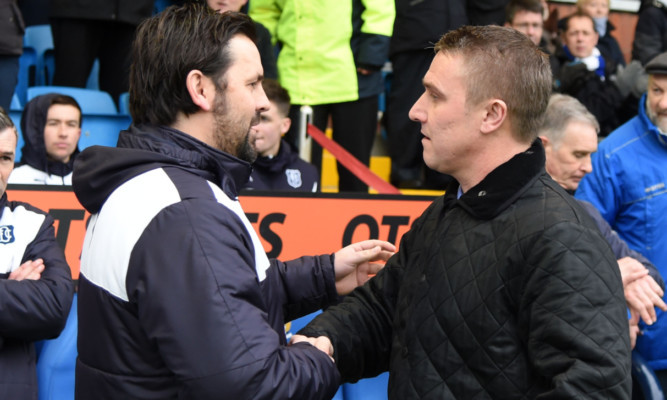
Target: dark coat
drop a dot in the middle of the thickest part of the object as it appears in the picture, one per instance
(32, 310)
(600, 95)
(651, 32)
(508, 292)
(126, 11)
(177, 298)
(12, 29)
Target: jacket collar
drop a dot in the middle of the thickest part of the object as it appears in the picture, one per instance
(277, 163)
(500, 188)
(225, 170)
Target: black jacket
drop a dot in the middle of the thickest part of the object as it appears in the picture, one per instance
(125, 11)
(651, 32)
(420, 24)
(12, 28)
(30, 310)
(600, 95)
(509, 292)
(177, 298)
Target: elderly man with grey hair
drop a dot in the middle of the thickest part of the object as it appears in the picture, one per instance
(569, 135)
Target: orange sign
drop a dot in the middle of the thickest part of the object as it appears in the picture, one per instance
(288, 225)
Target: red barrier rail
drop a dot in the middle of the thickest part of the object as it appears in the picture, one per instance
(351, 163)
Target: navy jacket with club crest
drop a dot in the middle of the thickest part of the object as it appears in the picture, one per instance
(30, 310)
(177, 297)
(284, 172)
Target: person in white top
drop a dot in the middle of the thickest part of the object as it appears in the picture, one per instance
(51, 127)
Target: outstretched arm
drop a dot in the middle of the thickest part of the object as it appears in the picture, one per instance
(353, 264)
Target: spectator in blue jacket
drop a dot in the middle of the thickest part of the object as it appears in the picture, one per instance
(627, 185)
(177, 298)
(36, 287)
(569, 135)
(278, 166)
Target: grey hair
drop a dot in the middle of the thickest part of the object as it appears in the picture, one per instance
(561, 110)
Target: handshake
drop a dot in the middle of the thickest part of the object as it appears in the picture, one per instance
(322, 343)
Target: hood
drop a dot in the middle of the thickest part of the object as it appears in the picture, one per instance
(286, 156)
(99, 170)
(33, 152)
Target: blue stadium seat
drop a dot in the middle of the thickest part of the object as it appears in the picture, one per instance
(91, 101)
(27, 66)
(94, 77)
(16, 103)
(124, 104)
(39, 38)
(367, 389)
(57, 360)
(15, 115)
(644, 379)
(102, 130)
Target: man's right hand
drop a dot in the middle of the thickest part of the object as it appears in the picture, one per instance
(322, 343)
(642, 293)
(28, 270)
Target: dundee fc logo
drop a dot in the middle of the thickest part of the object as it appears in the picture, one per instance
(293, 178)
(6, 234)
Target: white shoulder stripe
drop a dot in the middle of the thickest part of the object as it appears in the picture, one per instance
(262, 262)
(115, 229)
(18, 228)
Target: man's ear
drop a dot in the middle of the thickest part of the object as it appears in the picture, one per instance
(201, 89)
(495, 114)
(284, 125)
(545, 141)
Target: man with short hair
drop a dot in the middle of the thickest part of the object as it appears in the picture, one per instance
(51, 128)
(569, 135)
(582, 72)
(278, 166)
(36, 287)
(526, 16)
(504, 287)
(627, 185)
(177, 298)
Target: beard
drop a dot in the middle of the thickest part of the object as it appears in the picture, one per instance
(232, 135)
(658, 119)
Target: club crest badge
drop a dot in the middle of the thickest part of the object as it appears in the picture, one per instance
(6, 234)
(293, 178)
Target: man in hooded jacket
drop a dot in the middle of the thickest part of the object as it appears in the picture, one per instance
(51, 128)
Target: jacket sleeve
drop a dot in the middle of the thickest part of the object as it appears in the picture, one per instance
(575, 315)
(199, 300)
(37, 309)
(308, 284)
(361, 326)
(649, 34)
(267, 13)
(376, 29)
(618, 245)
